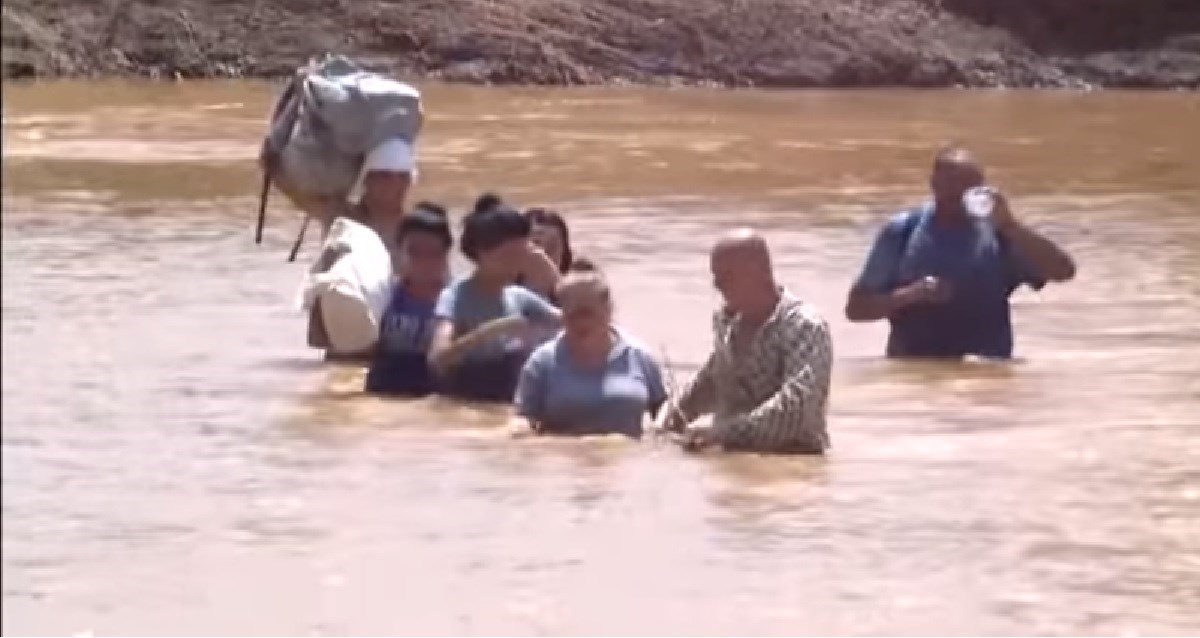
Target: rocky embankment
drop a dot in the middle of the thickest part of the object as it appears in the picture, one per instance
(778, 43)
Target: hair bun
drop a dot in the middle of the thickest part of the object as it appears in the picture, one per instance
(486, 202)
(431, 208)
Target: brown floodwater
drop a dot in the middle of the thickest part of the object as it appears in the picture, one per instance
(176, 461)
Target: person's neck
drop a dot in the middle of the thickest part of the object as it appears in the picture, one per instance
(488, 284)
(592, 353)
(423, 290)
(759, 314)
(950, 212)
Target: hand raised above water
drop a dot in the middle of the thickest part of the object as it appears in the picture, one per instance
(928, 289)
(987, 202)
(515, 327)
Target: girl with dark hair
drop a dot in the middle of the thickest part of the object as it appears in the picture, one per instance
(485, 324)
(553, 257)
(400, 364)
(551, 234)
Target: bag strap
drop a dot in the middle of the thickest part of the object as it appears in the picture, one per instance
(906, 235)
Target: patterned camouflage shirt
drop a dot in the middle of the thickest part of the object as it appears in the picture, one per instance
(772, 397)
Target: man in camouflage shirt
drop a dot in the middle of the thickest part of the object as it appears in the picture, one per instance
(767, 380)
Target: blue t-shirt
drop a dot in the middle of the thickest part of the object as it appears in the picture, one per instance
(489, 372)
(400, 365)
(566, 399)
(982, 269)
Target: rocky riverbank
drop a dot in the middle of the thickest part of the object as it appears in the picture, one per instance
(776, 43)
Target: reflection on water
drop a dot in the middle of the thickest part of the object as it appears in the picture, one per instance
(174, 459)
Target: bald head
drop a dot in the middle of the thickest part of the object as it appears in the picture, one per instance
(955, 170)
(746, 248)
(954, 156)
(742, 271)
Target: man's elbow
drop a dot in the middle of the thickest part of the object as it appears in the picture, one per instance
(1065, 271)
(857, 309)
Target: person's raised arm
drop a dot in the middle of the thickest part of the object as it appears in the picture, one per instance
(541, 274)
(537, 309)
(1046, 259)
(794, 414)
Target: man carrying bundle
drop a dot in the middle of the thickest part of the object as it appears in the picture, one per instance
(341, 147)
(331, 122)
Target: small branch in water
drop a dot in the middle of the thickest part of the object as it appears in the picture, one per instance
(673, 387)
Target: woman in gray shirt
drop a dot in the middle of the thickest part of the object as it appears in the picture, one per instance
(591, 378)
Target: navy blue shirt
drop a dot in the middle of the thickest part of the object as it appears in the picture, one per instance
(400, 365)
(982, 269)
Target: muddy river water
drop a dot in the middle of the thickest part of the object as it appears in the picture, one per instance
(175, 460)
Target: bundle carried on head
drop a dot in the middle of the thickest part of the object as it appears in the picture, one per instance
(325, 123)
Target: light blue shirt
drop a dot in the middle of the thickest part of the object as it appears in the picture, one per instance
(489, 372)
(567, 399)
(467, 308)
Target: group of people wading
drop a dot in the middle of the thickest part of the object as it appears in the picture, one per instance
(532, 324)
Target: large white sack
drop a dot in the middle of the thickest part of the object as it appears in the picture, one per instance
(353, 292)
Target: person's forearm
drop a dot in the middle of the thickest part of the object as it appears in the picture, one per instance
(870, 306)
(542, 275)
(446, 356)
(1050, 261)
(785, 421)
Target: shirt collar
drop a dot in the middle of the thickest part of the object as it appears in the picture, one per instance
(785, 300)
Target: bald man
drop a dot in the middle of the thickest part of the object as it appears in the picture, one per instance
(767, 380)
(942, 277)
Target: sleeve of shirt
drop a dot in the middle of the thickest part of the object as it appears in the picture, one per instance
(534, 308)
(794, 413)
(530, 399)
(656, 390)
(444, 308)
(878, 274)
(1020, 270)
(699, 395)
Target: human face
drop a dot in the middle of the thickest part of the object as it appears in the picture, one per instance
(505, 261)
(734, 282)
(425, 258)
(951, 179)
(587, 312)
(384, 193)
(550, 239)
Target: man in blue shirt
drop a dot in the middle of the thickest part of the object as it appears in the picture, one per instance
(942, 277)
